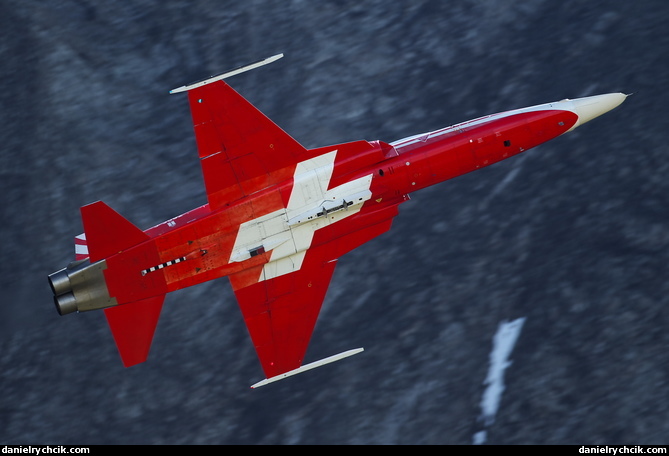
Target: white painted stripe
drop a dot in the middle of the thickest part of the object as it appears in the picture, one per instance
(163, 265)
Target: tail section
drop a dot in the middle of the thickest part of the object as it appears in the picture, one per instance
(107, 232)
(80, 247)
(133, 325)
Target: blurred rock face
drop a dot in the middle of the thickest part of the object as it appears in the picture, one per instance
(572, 237)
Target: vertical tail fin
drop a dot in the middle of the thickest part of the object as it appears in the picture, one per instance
(133, 325)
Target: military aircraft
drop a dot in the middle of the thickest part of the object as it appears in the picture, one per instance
(278, 217)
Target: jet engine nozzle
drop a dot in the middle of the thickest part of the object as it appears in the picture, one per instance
(80, 286)
(60, 282)
(65, 303)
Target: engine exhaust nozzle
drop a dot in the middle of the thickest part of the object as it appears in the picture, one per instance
(79, 287)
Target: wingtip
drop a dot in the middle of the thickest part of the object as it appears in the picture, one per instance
(228, 74)
(306, 367)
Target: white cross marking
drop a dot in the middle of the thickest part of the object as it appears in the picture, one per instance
(289, 243)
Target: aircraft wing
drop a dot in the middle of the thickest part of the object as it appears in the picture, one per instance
(281, 312)
(241, 150)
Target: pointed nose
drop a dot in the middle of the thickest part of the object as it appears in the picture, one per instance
(588, 108)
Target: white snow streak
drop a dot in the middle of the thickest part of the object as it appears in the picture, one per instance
(503, 343)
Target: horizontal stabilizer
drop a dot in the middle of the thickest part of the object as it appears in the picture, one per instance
(107, 232)
(133, 326)
(306, 367)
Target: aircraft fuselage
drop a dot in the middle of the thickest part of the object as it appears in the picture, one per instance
(202, 245)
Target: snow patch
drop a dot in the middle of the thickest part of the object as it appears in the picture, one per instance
(503, 343)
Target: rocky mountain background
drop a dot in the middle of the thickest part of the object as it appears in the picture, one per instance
(572, 237)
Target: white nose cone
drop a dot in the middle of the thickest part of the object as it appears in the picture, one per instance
(588, 108)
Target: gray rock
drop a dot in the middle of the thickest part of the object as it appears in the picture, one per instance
(573, 236)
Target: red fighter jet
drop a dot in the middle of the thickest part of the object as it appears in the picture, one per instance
(278, 217)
